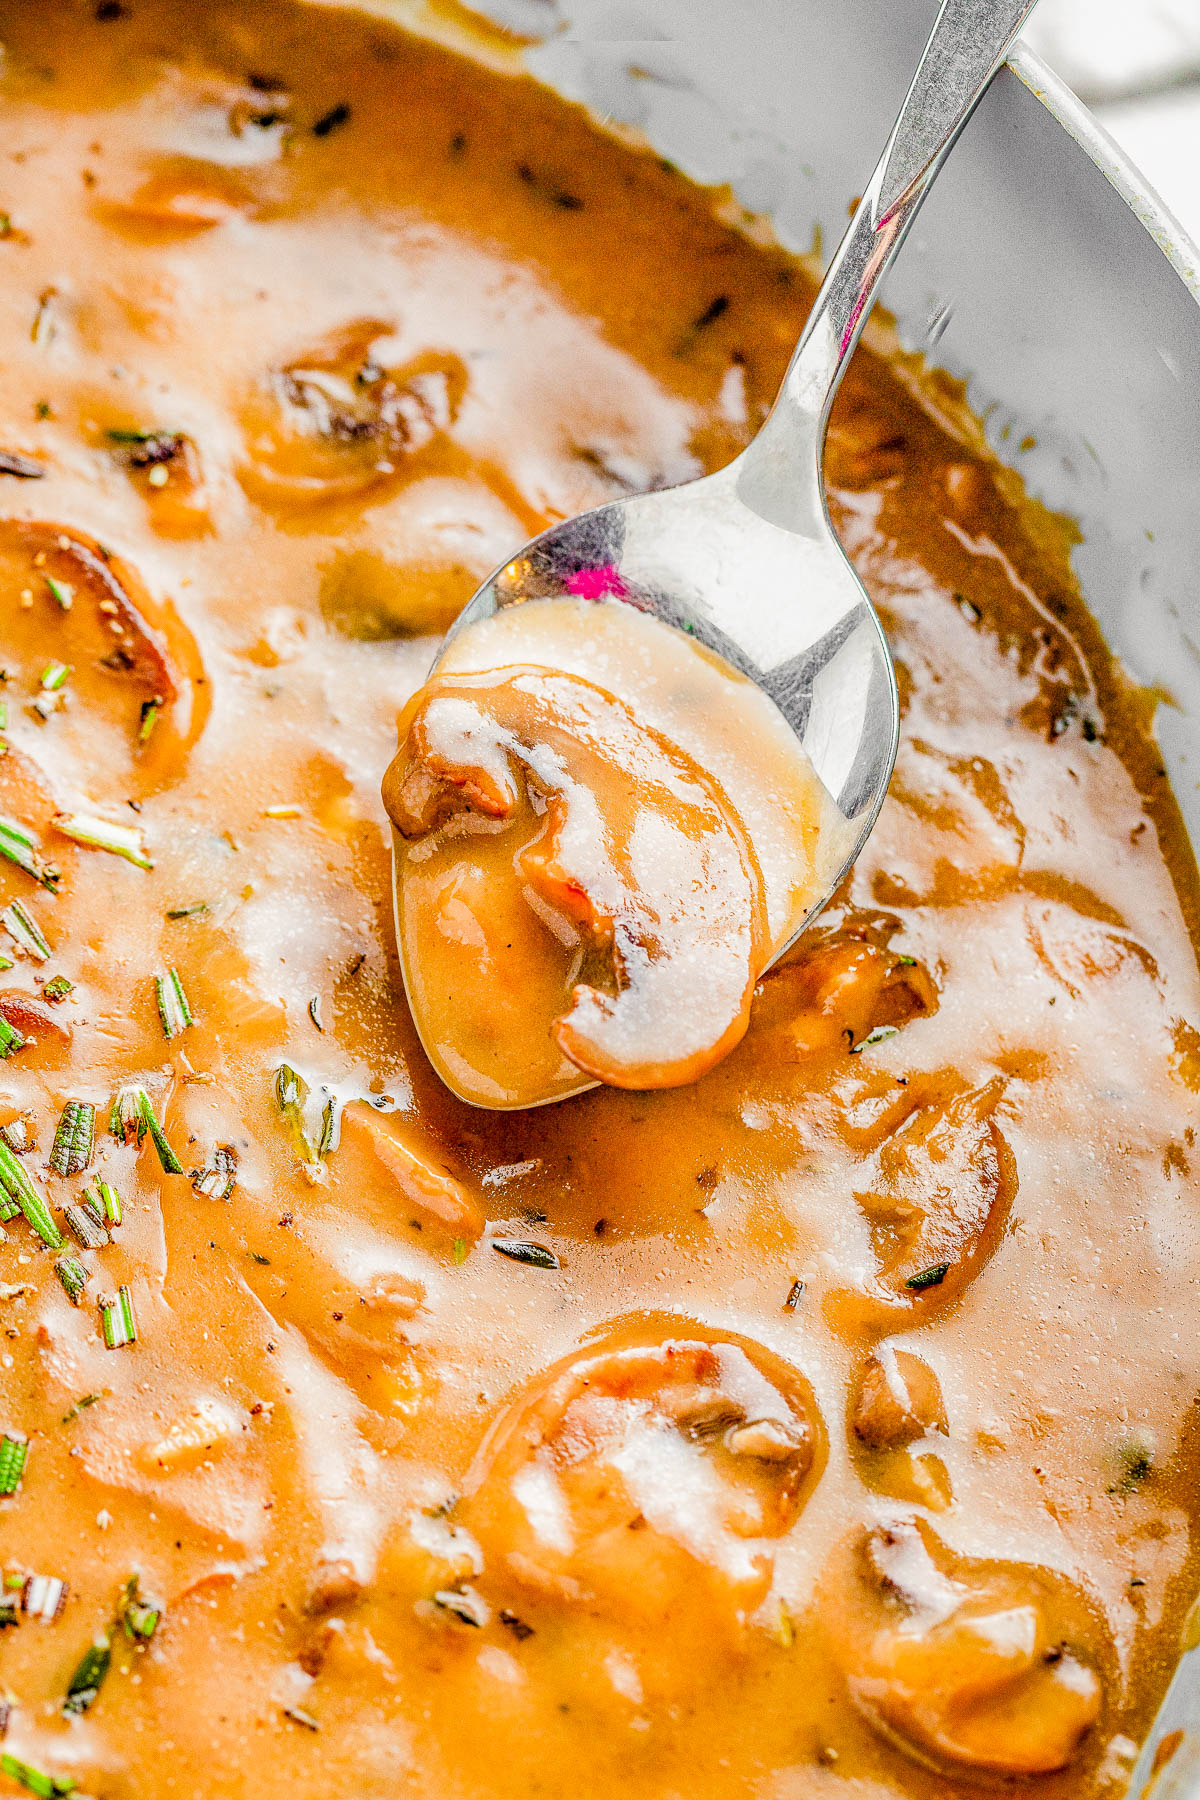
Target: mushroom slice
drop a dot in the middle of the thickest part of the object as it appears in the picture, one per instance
(988, 1667)
(898, 1400)
(941, 1187)
(836, 990)
(645, 1482)
(133, 672)
(574, 892)
(334, 424)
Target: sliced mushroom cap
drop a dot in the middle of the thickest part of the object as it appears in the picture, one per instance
(898, 1400)
(941, 1185)
(987, 1667)
(574, 893)
(334, 424)
(135, 672)
(646, 1482)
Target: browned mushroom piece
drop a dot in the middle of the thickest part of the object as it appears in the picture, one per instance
(833, 992)
(335, 423)
(987, 1667)
(942, 1184)
(165, 468)
(638, 1490)
(134, 695)
(898, 1400)
(643, 927)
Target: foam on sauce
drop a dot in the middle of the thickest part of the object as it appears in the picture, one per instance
(582, 763)
(823, 1427)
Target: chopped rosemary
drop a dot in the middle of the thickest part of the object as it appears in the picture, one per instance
(190, 911)
(86, 1223)
(47, 1787)
(89, 1677)
(14, 1450)
(19, 846)
(19, 1187)
(878, 1036)
(117, 1322)
(102, 834)
(10, 463)
(138, 1616)
(465, 1604)
(329, 1127)
(81, 1405)
(75, 1139)
(62, 591)
(147, 719)
(25, 931)
(928, 1278)
(10, 1038)
(173, 1008)
(291, 1093)
(16, 1134)
(57, 988)
(54, 676)
(74, 1277)
(43, 1597)
(110, 1201)
(132, 1116)
(219, 1178)
(537, 1256)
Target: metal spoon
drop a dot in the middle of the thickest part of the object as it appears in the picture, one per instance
(747, 559)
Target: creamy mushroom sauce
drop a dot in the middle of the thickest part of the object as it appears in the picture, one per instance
(826, 1426)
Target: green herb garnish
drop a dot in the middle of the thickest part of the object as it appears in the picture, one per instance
(117, 1323)
(74, 1277)
(148, 719)
(19, 846)
(10, 1038)
(46, 1787)
(291, 1094)
(132, 1116)
(110, 1201)
(62, 591)
(89, 1677)
(14, 1451)
(54, 677)
(81, 1405)
(138, 1616)
(173, 1007)
(928, 1278)
(187, 912)
(57, 988)
(218, 1180)
(25, 931)
(85, 1221)
(878, 1036)
(19, 1187)
(101, 834)
(75, 1139)
(537, 1256)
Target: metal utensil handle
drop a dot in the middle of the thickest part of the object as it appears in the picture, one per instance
(966, 47)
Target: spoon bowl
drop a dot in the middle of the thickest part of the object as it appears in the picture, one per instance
(745, 562)
(783, 608)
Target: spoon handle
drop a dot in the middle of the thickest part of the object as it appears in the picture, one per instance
(779, 475)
